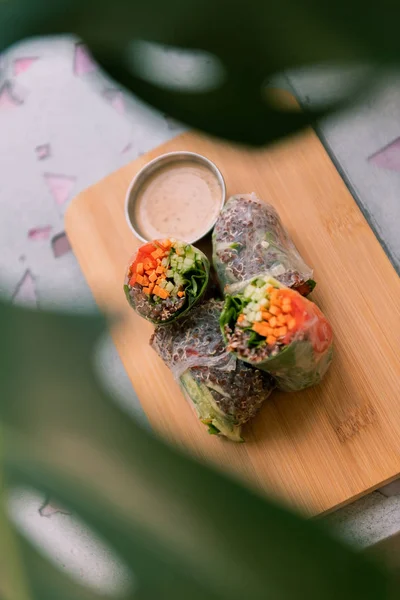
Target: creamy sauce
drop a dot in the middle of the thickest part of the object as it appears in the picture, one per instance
(180, 200)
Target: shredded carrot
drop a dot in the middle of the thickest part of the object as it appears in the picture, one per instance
(158, 253)
(149, 263)
(271, 340)
(281, 331)
(274, 296)
(261, 329)
(273, 321)
(160, 292)
(147, 270)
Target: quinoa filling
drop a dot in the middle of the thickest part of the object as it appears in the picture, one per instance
(249, 239)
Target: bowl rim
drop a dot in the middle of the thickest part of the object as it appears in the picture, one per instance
(148, 166)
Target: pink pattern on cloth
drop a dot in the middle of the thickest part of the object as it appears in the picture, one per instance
(60, 245)
(20, 65)
(25, 292)
(116, 99)
(43, 151)
(83, 61)
(40, 233)
(126, 148)
(171, 123)
(7, 97)
(388, 157)
(60, 186)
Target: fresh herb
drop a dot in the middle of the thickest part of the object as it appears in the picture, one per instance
(212, 430)
(194, 283)
(233, 307)
(311, 284)
(255, 340)
(126, 290)
(269, 237)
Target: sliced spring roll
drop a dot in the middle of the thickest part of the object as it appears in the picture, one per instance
(224, 391)
(165, 279)
(276, 329)
(249, 239)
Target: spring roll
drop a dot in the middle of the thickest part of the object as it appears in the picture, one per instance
(274, 328)
(165, 279)
(249, 239)
(224, 391)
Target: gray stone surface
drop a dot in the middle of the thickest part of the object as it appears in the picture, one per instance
(354, 136)
(368, 520)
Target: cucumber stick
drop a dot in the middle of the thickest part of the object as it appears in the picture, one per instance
(207, 409)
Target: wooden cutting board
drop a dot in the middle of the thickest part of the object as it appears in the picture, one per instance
(316, 449)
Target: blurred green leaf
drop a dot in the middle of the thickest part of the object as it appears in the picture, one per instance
(185, 530)
(13, 580)
(253, 42)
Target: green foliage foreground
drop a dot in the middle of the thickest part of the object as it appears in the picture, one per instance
(183, 529)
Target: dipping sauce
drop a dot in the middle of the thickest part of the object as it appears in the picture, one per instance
(181, 199)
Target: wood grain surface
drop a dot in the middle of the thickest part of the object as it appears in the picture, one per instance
(316, 449)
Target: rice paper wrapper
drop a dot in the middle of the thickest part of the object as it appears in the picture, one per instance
(162, 312)
(224, 392)
(250, 240)
(298, 365)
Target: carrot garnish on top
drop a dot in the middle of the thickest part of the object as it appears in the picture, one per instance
(274, 313)
(151, 270)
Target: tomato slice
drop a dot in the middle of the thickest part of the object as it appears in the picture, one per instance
(144, 252)
(308, 317)
(298, 311)
(147, 249)
(321, 334)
